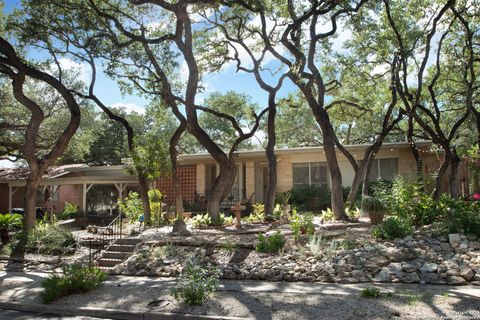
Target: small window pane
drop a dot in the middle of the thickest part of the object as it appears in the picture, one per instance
(319, 174)
(388, 168)
(300, 173)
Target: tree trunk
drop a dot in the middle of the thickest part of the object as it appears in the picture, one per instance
(358, 179)
(337, 203)
(143, 192)
(33, 182)
(272, 159)
(220, 189)
(441, 174)
(453, 179)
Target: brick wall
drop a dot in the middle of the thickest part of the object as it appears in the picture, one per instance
(188, 182)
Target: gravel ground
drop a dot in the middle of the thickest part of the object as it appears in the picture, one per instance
(274, 305)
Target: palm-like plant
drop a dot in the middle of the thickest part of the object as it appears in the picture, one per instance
(8, 222)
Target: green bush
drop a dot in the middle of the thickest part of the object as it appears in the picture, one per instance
(10, 221)
(328, 215)
(204, 220)
(201, 220)
(131, 206)
(271, 244)
(391, 228)
(155, 198)
(305, 197)
(302, 224)
(195, 284)
(71, 211)
(50, 238)
(257, 214)
(75, 279)
(371, 292)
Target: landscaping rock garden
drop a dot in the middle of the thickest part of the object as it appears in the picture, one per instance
(346, 256)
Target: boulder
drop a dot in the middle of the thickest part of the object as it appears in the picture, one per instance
(467, 274)
(429, 267)
(410, 278)
(454, 239)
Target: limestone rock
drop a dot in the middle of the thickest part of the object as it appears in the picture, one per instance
(467, 274)
(429, 267)
(455, 280)
(454, 239)
(411, 278)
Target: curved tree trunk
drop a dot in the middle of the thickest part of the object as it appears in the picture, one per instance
(453, 179)
(143, 187)
(179, 226)
(328, 134)
(30, 198)
(220, 189)
(440, 176)
(272, 159)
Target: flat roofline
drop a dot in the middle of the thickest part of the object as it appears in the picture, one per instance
(303, 149)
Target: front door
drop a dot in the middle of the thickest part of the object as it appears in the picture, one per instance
(261, 181)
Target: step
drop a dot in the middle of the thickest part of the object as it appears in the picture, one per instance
(128, 241)
(115, 255)
(121, 248)
(103, 262)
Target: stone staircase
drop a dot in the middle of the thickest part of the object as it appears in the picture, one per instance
(119, 251)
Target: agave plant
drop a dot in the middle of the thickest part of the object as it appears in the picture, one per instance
(8, 222)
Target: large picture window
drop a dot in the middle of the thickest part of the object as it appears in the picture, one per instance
(310, 173)
(383, 169)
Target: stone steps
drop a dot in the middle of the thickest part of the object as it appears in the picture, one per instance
(119, 251)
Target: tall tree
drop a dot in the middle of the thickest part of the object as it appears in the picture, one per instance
(18, 71)
(293, 37)
(422, 98)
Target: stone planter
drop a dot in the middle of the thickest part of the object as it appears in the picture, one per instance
(169, 215)
(376, 217)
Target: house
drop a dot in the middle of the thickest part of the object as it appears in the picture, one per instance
(97, 189)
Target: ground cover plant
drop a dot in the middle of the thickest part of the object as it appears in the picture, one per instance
(75, 279)
(50, 238)
(270, 244)
(302, 223)
(196, 283)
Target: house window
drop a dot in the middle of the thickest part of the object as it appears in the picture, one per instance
(383, 169)
(310, 173)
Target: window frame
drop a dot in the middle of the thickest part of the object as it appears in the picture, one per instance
(321, 164)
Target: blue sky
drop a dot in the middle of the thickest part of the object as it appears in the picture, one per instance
(226, 80)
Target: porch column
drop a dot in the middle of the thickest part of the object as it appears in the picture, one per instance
(9, 199)
(84, 196)
(11, 192)
(250, 179)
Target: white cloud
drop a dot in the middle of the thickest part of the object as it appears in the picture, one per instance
(129, 107)
(83, 70)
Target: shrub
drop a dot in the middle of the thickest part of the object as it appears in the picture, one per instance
(391, 228)
(131, 206)
(155, 198)
(9, 222)
(75, 279)
(223, 220)
(71, 211)
(315, 244)
(371, 292)
(306, 197)
(328, 215)
(50, 238)
(257, 215)
(373, 204)
(201, 220)
(195, 284)
(302, 224)
(271, 244)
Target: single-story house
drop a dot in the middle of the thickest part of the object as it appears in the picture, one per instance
(97, 189)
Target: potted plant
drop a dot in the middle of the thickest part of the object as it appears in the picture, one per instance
(375, 209)
(7, 223)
